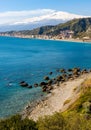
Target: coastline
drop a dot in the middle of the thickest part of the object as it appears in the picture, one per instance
(65, 40)
(60, 98)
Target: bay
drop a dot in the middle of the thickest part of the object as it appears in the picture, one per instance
(30, 60)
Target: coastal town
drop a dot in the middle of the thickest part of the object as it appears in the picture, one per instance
(67, 35)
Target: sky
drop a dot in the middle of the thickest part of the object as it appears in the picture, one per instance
(16, 12)
(73, 6)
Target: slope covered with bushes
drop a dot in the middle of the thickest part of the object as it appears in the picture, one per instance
(76, 117)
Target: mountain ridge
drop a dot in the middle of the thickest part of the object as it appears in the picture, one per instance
(81, 28)
(22, 20)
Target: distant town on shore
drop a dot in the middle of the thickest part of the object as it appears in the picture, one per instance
(73, 29)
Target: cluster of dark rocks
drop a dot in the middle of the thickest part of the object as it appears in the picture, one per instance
(63, 76)
(25, 84)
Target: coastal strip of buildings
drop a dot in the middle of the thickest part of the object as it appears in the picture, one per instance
(63, 35)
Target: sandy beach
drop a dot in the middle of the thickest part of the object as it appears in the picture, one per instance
(58, 100)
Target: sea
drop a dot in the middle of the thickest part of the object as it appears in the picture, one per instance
(30, 60)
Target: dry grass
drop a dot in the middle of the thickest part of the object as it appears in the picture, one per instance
(74, 89)
(86, 84)
(67, 101)
(85, 96)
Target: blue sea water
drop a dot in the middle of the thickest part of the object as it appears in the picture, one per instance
(30, 60)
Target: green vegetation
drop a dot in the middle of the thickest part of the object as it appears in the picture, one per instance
(81, 28)
(37, 31)
(16, 123)
(76, 117)
(83, 104)
(55, 122)
(73, 121)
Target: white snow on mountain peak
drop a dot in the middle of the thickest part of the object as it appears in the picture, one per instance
(55, 15)
(29, 19)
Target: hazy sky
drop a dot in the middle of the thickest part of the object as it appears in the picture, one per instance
(82, 7)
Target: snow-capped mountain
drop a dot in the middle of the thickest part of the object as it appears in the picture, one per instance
(22, 20)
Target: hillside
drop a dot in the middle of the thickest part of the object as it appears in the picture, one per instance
(68, 91)
(80, 27)
(77, 116)
(38, 31)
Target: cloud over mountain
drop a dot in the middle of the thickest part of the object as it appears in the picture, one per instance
(34, 18)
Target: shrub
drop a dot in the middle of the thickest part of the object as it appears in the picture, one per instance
(16, 123)
(77, 121)
(54, 122)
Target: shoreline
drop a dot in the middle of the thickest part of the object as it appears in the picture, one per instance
(58, 100)
(65, 40)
